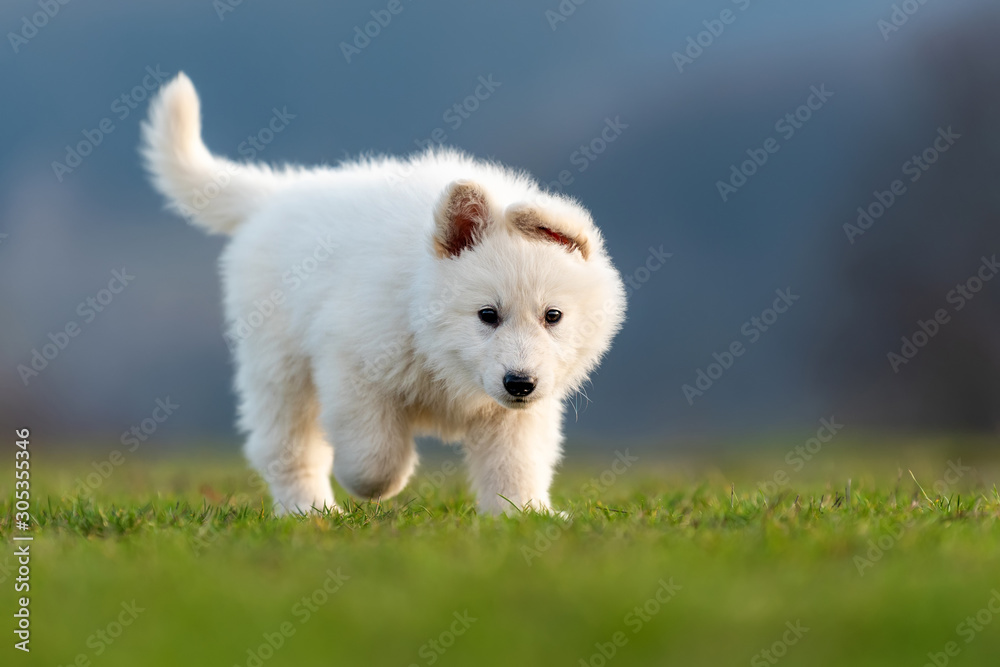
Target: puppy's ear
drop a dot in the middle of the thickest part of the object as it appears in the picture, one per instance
(539, 224)
(460, 217)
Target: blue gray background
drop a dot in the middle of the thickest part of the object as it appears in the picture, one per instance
(560, 80)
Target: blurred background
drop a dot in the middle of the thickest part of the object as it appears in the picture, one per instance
(648, 112)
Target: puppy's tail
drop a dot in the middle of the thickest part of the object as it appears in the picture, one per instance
(213, 193)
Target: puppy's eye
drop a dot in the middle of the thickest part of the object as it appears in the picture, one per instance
(489, 316)
(552, 316)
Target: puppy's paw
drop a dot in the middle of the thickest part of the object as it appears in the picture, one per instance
(302, 509)
(301, 498)
(548, 511)
(510, 509)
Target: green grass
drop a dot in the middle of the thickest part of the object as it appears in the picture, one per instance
(191, 543)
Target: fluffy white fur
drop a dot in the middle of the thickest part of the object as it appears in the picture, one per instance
(353, 296)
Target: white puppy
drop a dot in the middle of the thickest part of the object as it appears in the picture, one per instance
(387, 298)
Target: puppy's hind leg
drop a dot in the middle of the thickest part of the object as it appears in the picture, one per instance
(278, 409)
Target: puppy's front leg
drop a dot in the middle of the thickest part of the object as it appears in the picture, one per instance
(513, 459)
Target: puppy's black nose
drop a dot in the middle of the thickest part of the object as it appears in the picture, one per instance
(518, 384)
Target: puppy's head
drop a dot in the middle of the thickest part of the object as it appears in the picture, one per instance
(527, 300)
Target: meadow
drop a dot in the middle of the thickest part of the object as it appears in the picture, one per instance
(867, 553)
